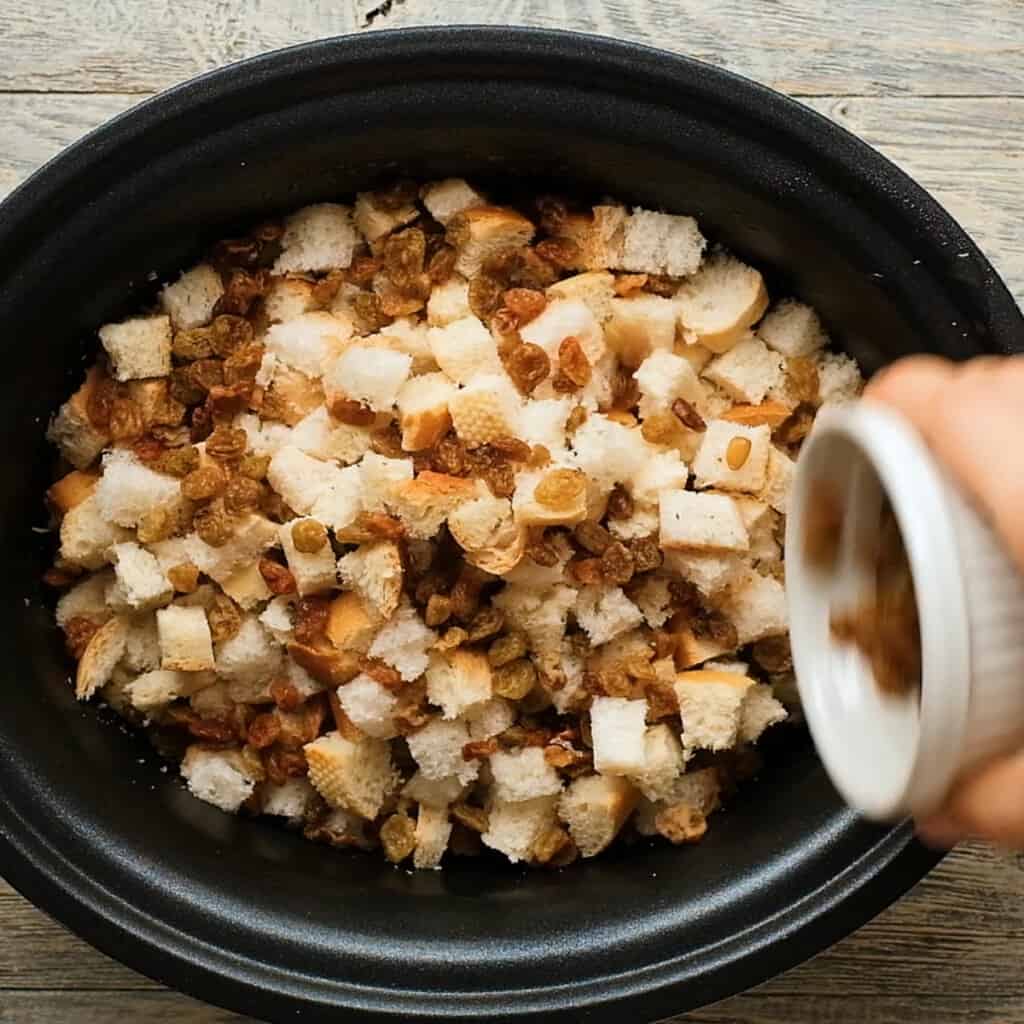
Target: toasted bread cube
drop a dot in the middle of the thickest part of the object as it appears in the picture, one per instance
(696, 355)
(528, 511)
(478, 232)
(71, 490)
(663, 763)
(403, 642)
(370, 706)
(309, 341)
(561, 319)
(323, 437)
(514, 828)
(709, 572)
(720, 302)
(618, 728)
(594, 288)
(375, 221)
(153, 397)
(354, 776)
(747, 372)
(287, 298)
(662, 378)
(87, 535)
(523, 775)
(370, 376)
(154, 690)
(486, 409)
(185, 642)
(142, 644)
(761, 521)
(433, 792)
(374, 572)
(139, 347)
(278, 618)
(692, 650)
(218, 777)
(424, 503)
(423, 410)
(595, 807)
(609, 452)
(779, 480)
(253, 535)
(479, 524)
(465, 349)
(318, 238)
(661, 243)
(639, 325)
(597, 236)
(449, 302)
(101, 655)
(191, 300)
(445, 199)
(433, 830)
(710, 704)
(760, 711)
(290, 799)
(341, 503)
(250, 656)
(839, 378)
(701, 522)
(315, 571)
(458, 680)
(654, 600)
(380, 478)
(293, 393)
(727, 445)
(540, 614)
(757, 607)
(300, 479)
(128, 490)
(72, 431)
(350, 626)
(247, 587)
(437, 749)
(792, 329)
(86, 599)
(139, 584)
(489, 717)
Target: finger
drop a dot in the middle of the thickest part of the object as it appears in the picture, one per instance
(940, 832)
(898, 383)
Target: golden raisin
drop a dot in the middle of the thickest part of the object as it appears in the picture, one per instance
(484, 295)
(525, 303)
(184, 578)
(204, 483)
(486, 623)
(659, 428)
(542, 551)
(646, 554)
(474, 818)
(441, 264)
(577, 417)
(625, 389)
(200, 424)
(562, 252)
(803, 379)
(214, 525)
(620, 503)
(100, 401)
(367, 308)
(344, 410)
(561, 488)
(617, 563)
(381, 672)
(592, 537)
(224, 617)
(453, 637)
(227, 443)
(242, 495)
(402, 255)
(309, 536)
(126, 420)
(479, 748)
(514, 680)
(285, 694)
(549, 843)
(177, 462)
(626, 284)
(277, 577)
(737, 452)
(572, 361)
(310, 618)
(78, 631)
(506, 649)
(681, 823)
(264, 730)
(254, 467)
(528, 365)
(564, 384)
(398, 837)
(438, 610)
(587, 571)
(539, 456)
(155, 525)
(242, 365)
(687, 415)
(241, 290)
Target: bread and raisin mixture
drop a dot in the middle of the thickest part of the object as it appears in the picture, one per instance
(434, 526)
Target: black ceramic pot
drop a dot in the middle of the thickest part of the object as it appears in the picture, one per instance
(251, 917)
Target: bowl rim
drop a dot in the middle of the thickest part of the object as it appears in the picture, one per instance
(50, 878)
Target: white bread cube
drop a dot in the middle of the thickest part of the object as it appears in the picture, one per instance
(747, 372)
(253, 535)
(350, 625)
(218, 777)
(663, 471)
(300, 479)
(87, 599)
(374, 572)
(662, 378)
(760, 711)
(597, 236)
(72, 431)
(618, 727)
(595, 807)
(839, 378)
(128, 490)
(642, 523)
(247, 587)
(375, 221)
(720, 302)
(701, 522)
(561, 319)
(370, 706)
(289, 799)
(380, 478)
(661, 243)
(87, 535)
(482, 231)
(709, 572)
(449, 302)
(185, 641)
(654, 601)
(594, 288)
(139, 347)
(371, 376)
(761, 521)
(323, 437)
(139, 584)
(251, 656)
(278, 618)
(486, 409)
(609, 452)
(458, 681)
(528, 511)
(522, 775)
(489, 718)
(639, 325)
(710, 705)
(464, 349)
(96, 666)
(355, 776)
(433, 830)
(403, 642)
(445, 199)
(308, 342)
(779, 480)
(663, 763)
(605, 613)
(792, 329)
(142, 644)
(437, 749)
(423, 410)
(711, 466)
(512, 829)
(340, 504)
(756, 605)
(288, 297)
(408, 335)
(540, 614)
(154, 690)
(190, 301)
(315, 571)
(433, 792)
(318, 238)
(264, 438)
(542, 421)
(474, 524)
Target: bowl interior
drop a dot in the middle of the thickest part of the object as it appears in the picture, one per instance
(227, 907)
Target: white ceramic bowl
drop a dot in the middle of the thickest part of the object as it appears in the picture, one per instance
(893, 756)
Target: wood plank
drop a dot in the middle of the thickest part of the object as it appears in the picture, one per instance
(103, 1007)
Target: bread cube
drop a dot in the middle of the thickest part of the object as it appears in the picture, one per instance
(839, 378)
(486, 409)
(595, 807)
(701, 522)
(185, 641)
(140, 583)
(654, 600)
(370, 706)
(100, 657)
(128, 490)
(605, 613)
(287, 298)
(300, 479)
(374, 572)
(475, 523)
(661, 243)
(639, 325)
(308, 342)
(356, 776)
(323, 437)
(779, 480)
(424, 503)
(709, 572)
(594, 288)
(597, 236)
(540, 614)
(448, 302)
(663, 471)
(433, 792)
(87, 535)
(138, 347)
(542, 421)
(340, 504)
(609, 452)
(522, 774)
(757, 607)
(458, 680)
(253, 535)
(514, 828)
(433, 830)
(375, 221)
(317, 238)
(760, 711)
(350, 625)
(720, 302)
(726, 445)
(370, 376)
(710, 706)
(403, 642)
(489, 718)
(315, 571)
(478, 232)
(437, 749)
(218, 777)
(72, 431)
(191, 300)
(86, 599)
(561, 319)
(290, 799)
(445, 199)
(692, 650)
(278, 618)
(662, 378)
(380, 479)
(265, 438)
(618, 728)
(423, 410)
(251, 656)
(464, 349)
(792, 329)
(662, 765)
(747, 372)
(154, 690)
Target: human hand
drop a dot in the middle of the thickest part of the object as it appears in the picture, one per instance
(972, 416)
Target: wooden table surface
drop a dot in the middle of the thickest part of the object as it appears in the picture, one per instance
(937, 85)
